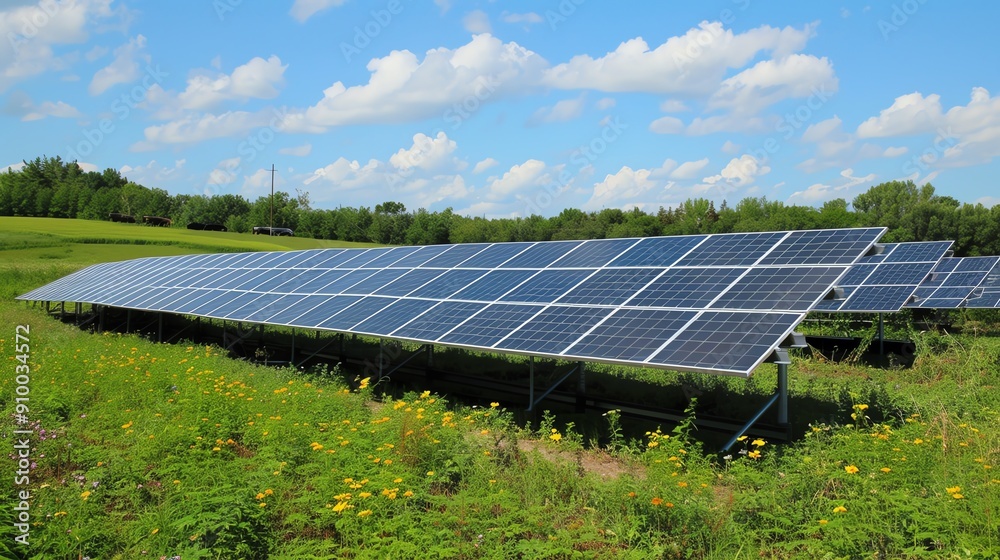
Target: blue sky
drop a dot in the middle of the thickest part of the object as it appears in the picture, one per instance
(509, 108)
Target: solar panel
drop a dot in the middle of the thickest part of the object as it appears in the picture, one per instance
(953, 282)
(714, 303)
(887, 281)
(987, 295)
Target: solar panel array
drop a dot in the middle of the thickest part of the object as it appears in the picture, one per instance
(952, 282)
(714, 303)
(987, 294)
(887, 281)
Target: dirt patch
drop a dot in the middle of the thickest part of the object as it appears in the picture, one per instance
(598, 463)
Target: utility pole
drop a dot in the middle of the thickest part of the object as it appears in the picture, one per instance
(270, 230)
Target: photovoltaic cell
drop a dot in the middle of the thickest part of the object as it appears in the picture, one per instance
(611, 286)
(878, 299)
(658, 251)
(420, 256)
(359, 260)
(630, 334)
(316, 316)
(413, 279)
(541, 255)
(393, 316)
(487, 327)
(285, 314)
(374, 282)
(390, 257)
(448, 283)
(455, 255)
(438, 320)
(830, 246)
(727, 341)
(593, 254)
(686, 288)
(780, 289)
(925, 251)
(360, 311)
(494, 255)
(316, 283)
(493, 285)
(738, 249)
(554, 329)
(546, 286)
(899, 274)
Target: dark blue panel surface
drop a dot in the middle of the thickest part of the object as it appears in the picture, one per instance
(878, 299)
(610, 286)
(390, 257)
(220, 303)
(658, 251)
(631, 334)
(857, 275)
(976, 264)
(315, 280)
(420, 256)
(198, 298)
(413, 279)
(306, 304)
(494, 256)
(909, 274)
(314, 316)
(363, 257)
(375, 281)
(964, 279)
(782, 289)
(264, 307)
(360, 311)
(495, 284)
(831, 246)
(394, 316)
(346, 281)
(547, 286)
(921, 251)
(686, 287)
(438, 320)
(594, 253)
(541, 255)
(448, 283)
(488, 326)
(987, 300)
(738, 249)
(724, 341)
(455, 255)
(335, 257)
(554, 329)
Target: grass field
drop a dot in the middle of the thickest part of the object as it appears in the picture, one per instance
(144, 450)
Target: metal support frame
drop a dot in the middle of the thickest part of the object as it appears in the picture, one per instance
(780, 397)
(881, 336)
(531, 389)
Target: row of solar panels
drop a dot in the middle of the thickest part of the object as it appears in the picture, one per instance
(917, 275)
(713, 303)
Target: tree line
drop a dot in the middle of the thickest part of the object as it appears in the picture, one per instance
(54, 188)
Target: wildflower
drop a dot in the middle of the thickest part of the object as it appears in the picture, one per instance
(754, 454)
(262, 504)
(840, 509)
(494, 404)
(556, 436)
(823, 521)
(861, 407)
(365, 382)
(408, 494)
(758, 442)
(885, 469)
(851, 469)
(85, 495)
(656, 501)
(430, 473)
(425, 394)
(953, 489)
(364, 513)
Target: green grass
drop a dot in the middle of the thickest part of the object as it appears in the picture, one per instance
(155, 450)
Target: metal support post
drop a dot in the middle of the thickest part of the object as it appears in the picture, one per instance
(581, 389)
(380, 356)
(782, 394)
(159, 327)
(531, 381)
(881, 336)
(128, 321)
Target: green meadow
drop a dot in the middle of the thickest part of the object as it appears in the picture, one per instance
(145, 450)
